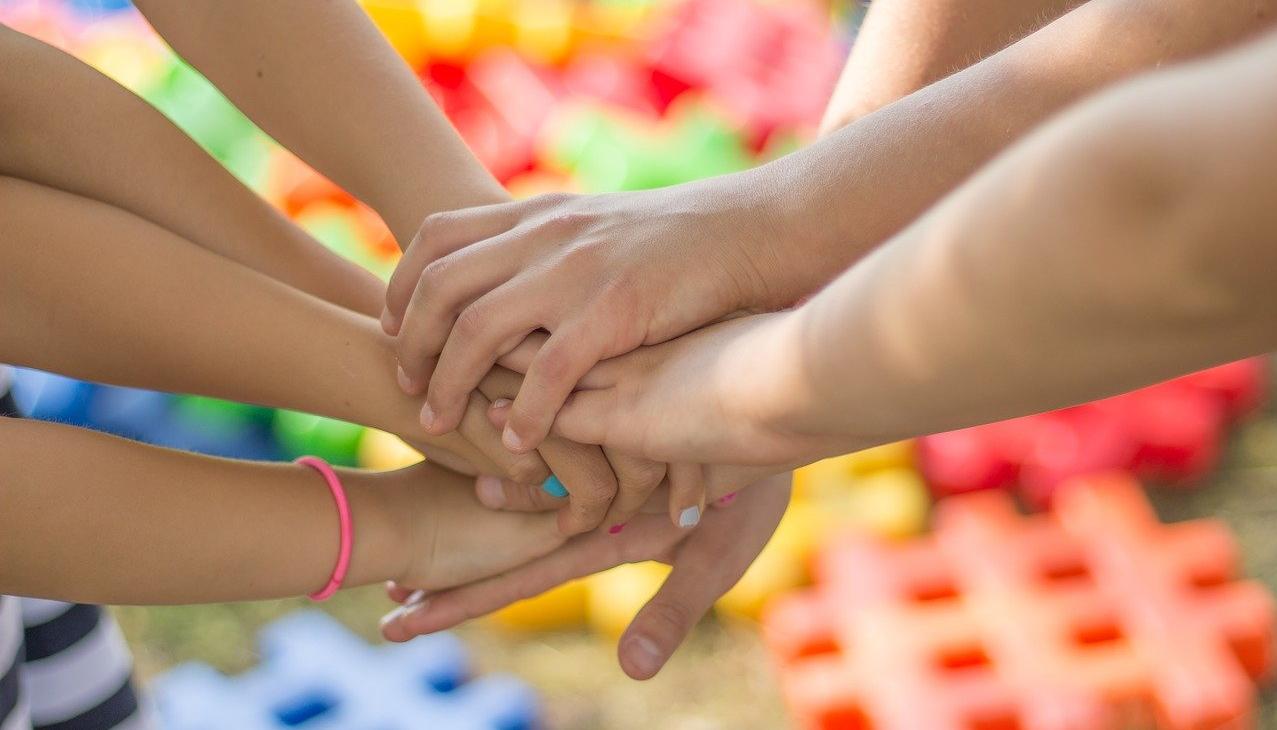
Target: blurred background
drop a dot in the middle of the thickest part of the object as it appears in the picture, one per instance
(604, 95)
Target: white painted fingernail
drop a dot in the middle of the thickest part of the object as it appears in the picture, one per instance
(689, 517)
(491, 494)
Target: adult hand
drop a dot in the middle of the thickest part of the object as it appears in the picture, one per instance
(706, 562)
(602, 274)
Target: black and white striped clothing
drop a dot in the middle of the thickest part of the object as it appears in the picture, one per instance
(62, 666)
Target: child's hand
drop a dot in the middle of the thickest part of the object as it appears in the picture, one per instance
(603, 274)
(452, 538)
(717, 396)
(707, 562)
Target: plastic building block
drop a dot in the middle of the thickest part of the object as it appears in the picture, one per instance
(616, 595)
(381, 451)
(561, 607)
(50, 397)
(317, 675)
(771, 65)
(1170, 433)
(1093, 617)
(302, 433)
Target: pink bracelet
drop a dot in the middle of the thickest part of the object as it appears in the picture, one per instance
(346, 525)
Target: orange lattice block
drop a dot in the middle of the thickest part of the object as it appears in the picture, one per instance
(1092, 617)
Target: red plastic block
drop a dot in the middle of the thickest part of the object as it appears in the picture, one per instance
(770, 65)
(1093, 617)
(1169, 433)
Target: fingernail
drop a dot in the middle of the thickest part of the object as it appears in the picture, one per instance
(415, 602)
(616, 529)
(512, 440)
(645, 655)
(389, 324)
(501, 403)
(427, 416)
(689, 517)
(490, 492)
(727, 499)
(404, 383)
(554, 487)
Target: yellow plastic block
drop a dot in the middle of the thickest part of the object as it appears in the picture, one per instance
(891, 503)
(888, 456)
(617, 595)
(783, 563)
(450, 26)
(562, 607)
(380, 451)
(840, 473)
(404, 24)
(543, 30)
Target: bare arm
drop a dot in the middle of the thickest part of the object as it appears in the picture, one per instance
(905, 45)
(128, 155)
(336, 94)
(1124, 243)
(97, 293)
(89, 517)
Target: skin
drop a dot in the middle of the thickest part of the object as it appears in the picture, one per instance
(919, 42)
(1125, 243)
(236, 530)
(147, 168)
(401, 156)
(594, 271)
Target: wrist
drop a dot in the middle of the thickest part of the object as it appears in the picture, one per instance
(778, 399)
(789, 252)
(382, 512)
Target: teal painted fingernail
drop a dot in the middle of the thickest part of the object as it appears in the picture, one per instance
(554, 487)
(689, 517)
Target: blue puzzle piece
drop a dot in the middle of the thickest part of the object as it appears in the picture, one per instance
(316, 675)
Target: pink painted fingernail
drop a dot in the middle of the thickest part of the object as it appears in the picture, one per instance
(427, 416)
(727, 499)
(616, 529)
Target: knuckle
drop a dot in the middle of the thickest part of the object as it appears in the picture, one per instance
(435, 273)
(472, 320)
(528, 470)
(434, 224)
(565, 220)
(555, 366)
(668, 619)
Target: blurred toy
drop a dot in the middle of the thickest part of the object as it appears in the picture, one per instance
(336, 442)
(1169, 433)
(616, 595)
(771, 66)
(381, 451)
(315, 674)
(1094, 616)
(561, 607)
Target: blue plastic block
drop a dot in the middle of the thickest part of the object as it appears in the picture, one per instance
(129, 412)
(316, 675)
(51, 397)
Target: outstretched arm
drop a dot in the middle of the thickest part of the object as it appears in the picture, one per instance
(321, 79)
(595, 270)
(138, 524)
(1125, 243)
(906, 45)
(126, 154)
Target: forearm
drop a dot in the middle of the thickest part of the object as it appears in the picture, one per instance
(905, 45)
(96, 293)
(336, 94)
(89, 517)
(849, 192)
(128, 155)
(1123, 244)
